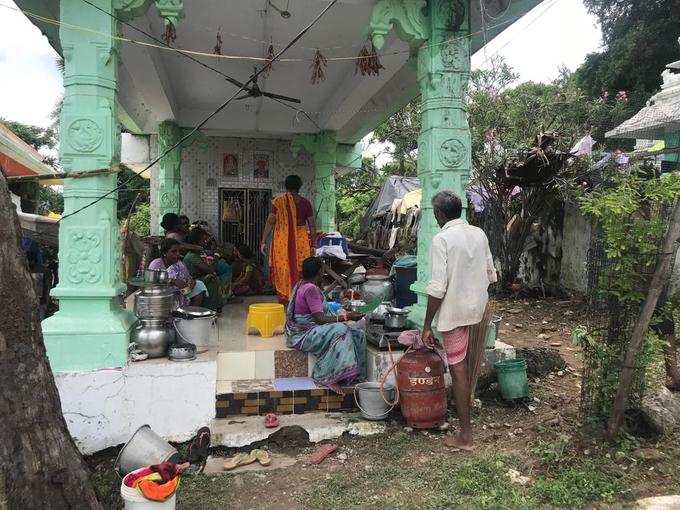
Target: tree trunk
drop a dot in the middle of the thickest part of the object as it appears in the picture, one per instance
(639, 332)
(40, 466)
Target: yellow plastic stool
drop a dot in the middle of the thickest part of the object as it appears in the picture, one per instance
(265, 318)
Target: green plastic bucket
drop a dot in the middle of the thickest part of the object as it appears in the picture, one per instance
(512, 378)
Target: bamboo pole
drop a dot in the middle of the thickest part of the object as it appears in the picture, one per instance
(642, 324)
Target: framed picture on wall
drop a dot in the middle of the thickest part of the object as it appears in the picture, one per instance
(261, 162)
(230, 165)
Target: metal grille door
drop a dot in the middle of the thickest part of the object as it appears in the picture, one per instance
(255, 206)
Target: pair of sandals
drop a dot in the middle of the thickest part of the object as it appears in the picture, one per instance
(243, 459)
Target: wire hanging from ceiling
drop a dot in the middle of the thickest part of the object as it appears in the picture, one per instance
(208, 117)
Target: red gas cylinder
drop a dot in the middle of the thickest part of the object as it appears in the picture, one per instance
(422, 390)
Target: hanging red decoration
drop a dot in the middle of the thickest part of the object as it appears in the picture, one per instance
(318, 66)
(170, 34)
(217, 50)
(368, 62)
(270, 59)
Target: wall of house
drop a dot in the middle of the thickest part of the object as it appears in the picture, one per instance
(576, 236)
(202, 174)
(103, 408)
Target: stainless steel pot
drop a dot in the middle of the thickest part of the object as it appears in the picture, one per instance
(156, 276)
(395, 318)
(155, 302)
(153, 336)
(376, 288)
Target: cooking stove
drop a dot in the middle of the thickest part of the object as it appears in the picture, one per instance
(379, 336)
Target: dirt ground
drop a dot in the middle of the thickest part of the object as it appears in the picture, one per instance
(529, 455)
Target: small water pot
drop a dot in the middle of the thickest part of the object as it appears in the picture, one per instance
(371, 403)
(144, 448)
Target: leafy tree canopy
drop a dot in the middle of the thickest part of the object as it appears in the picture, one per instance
(33, 135)
(640, 37)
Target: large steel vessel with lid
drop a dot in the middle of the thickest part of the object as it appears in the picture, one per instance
(155, 302)
(422, 390)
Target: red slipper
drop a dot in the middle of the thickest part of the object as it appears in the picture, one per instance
(322, 452)
(271, 421)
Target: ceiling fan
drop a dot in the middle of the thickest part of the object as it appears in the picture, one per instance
(254, 91)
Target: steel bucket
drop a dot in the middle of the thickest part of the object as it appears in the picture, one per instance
(371, 403)
(195, 331)
(144, 448)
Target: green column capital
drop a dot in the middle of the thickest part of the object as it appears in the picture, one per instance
(172, 11)
(407, 17)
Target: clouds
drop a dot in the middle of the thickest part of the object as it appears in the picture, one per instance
(555, 33)
(30, 83)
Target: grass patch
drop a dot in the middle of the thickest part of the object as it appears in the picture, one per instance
(577, 485)
(443, 482)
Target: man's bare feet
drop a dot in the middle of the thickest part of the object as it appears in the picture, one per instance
(457, 441)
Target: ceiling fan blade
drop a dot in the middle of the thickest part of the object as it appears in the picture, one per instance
(283, 98)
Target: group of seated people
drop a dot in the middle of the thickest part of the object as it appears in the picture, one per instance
(205, 273)
(209, 275)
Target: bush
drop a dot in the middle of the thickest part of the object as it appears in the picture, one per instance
(140, 220)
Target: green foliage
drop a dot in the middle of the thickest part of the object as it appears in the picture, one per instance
(577, 485)
(127, 194)
(639, 38)
(50, 200)
(628, 211)
(355, 192)
(401, 130)
(140, 220)
(35, 136)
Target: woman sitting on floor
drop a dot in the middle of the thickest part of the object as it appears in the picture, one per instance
(192, 291)
(205, 271)
(249, 281)
(339, 346)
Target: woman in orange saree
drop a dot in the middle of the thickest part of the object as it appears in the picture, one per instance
(294, 233)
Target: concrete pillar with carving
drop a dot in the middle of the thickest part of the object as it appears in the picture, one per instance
(169, 193)
(324, 149)
(91, 329)
(438, 32)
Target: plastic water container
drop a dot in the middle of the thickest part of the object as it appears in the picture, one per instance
(135, 501)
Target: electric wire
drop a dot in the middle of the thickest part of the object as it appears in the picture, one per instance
(230, 79)
(206, 119)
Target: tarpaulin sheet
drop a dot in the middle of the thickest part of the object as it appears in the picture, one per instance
(396, 186)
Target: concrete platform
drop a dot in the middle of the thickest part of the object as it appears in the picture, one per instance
(245, 430)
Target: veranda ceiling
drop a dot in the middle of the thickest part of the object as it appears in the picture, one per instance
(157, 84)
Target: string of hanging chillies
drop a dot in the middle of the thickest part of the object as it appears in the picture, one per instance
(318, 66)
(270, 58)
(368, 62)
(217, 50)
(170, 35)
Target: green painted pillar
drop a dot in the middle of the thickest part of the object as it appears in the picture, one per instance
(324, 149)
(91, 329)
(169, 196)
(438, 31)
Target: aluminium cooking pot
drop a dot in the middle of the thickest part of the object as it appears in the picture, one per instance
(395, 318)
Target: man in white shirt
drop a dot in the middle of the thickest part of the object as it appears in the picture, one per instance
(461, 269)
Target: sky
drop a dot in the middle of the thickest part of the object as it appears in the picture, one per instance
(554, 34)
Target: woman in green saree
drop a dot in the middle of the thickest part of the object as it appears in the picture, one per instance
(204, 271)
